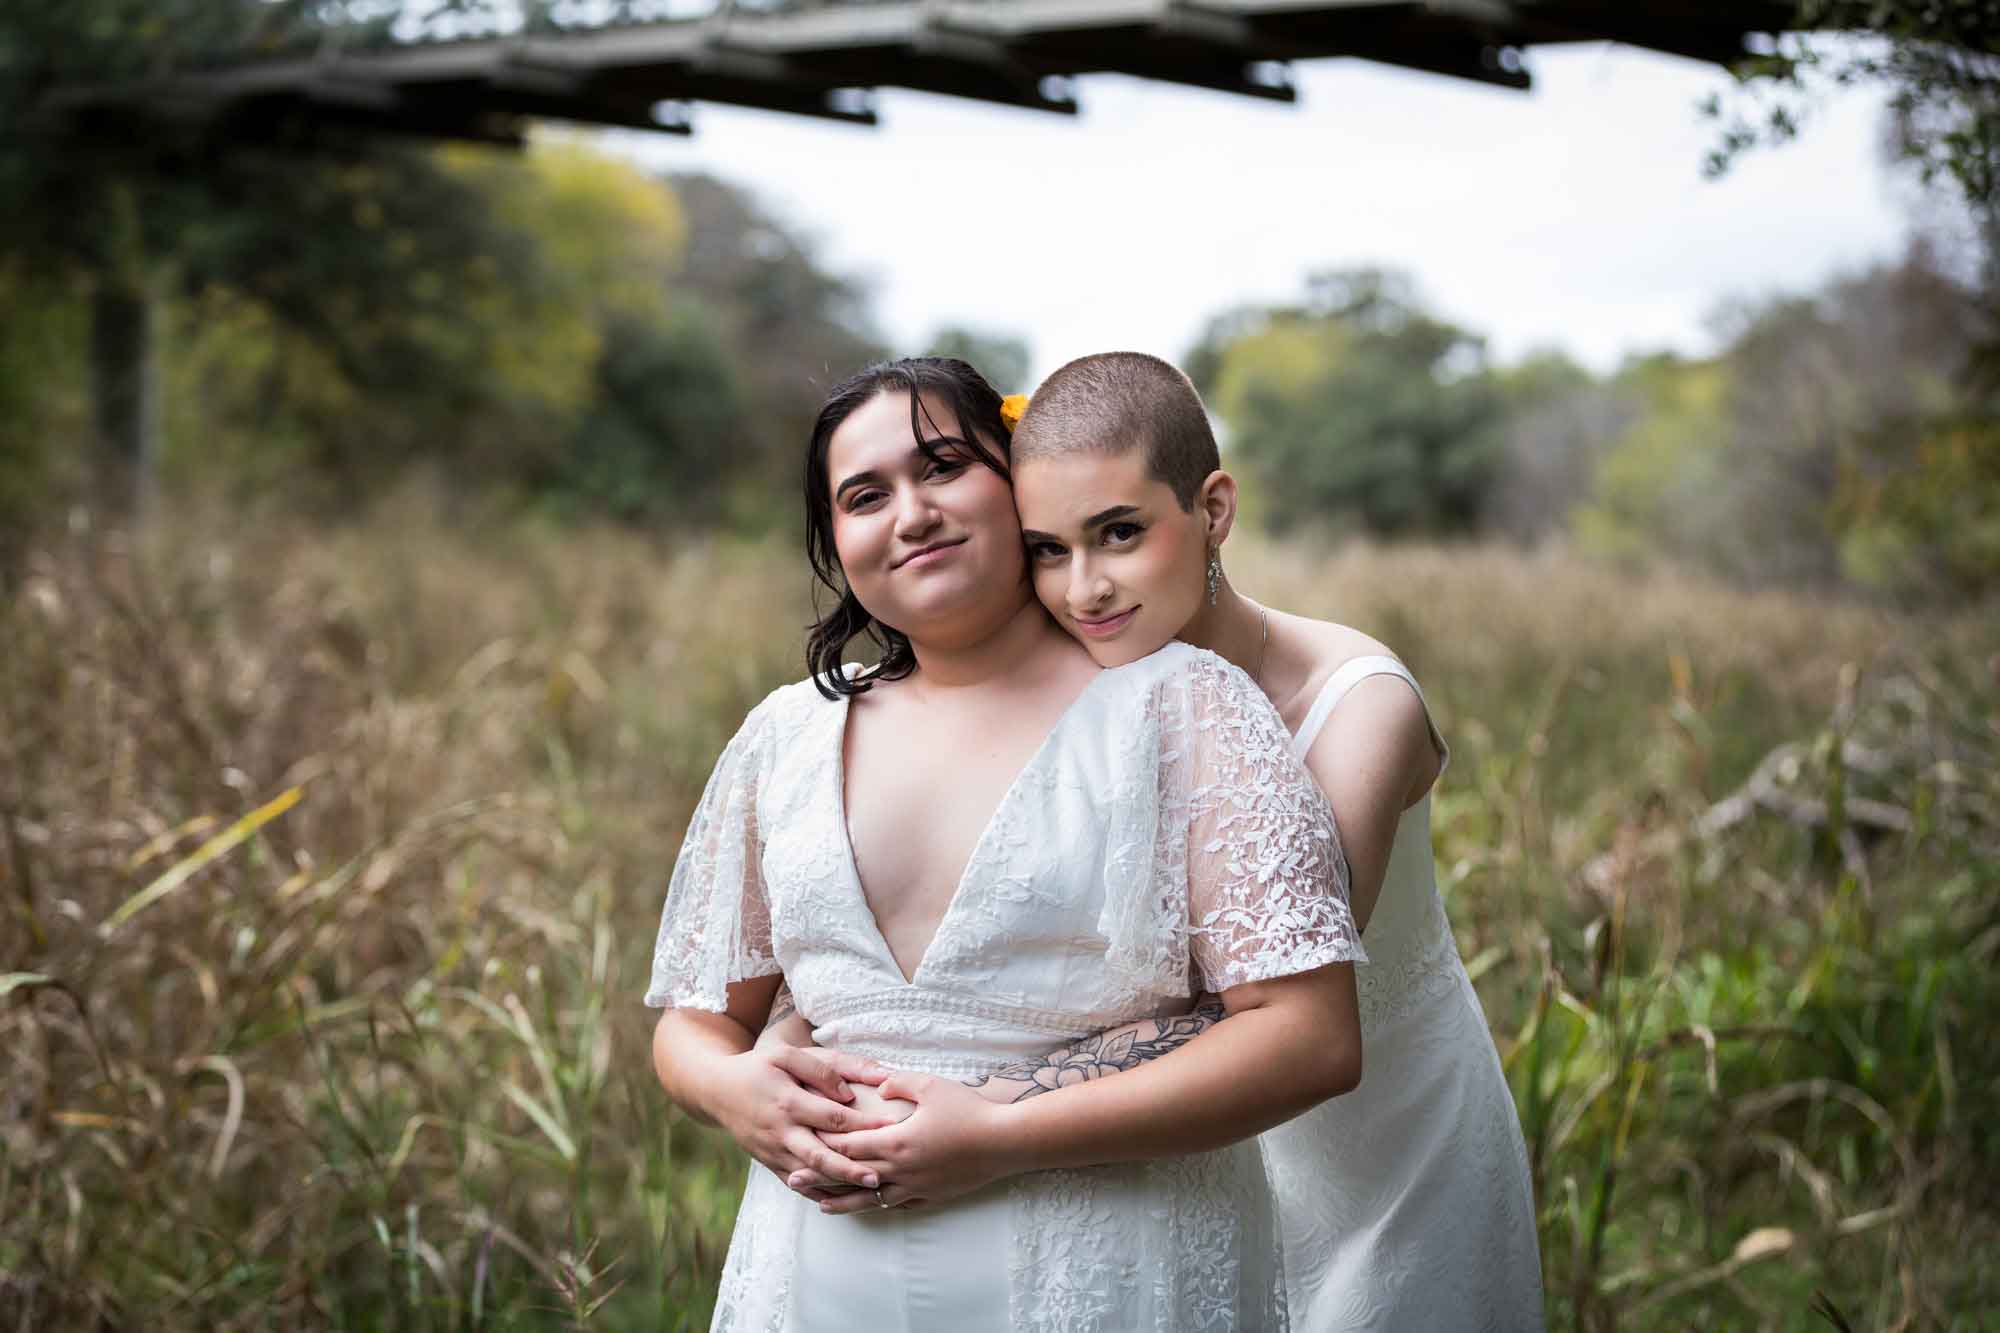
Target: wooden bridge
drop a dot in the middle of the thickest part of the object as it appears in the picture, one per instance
(825, 58)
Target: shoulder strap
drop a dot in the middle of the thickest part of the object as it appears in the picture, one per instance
(1344, 678)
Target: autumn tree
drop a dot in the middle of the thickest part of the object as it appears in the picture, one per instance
(1938, 63)
(1357, 405)
(1002, 358)
(139, 206)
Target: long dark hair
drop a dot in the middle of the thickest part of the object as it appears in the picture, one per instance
(960, 391)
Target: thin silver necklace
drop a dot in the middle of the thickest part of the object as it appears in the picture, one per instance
(1263, 646)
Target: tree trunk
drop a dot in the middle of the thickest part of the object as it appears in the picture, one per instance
(125, 395)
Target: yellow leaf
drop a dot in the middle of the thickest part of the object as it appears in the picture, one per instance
(220, 845)
(87, 1119)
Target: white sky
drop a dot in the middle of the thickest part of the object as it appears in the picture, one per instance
(1574, 216)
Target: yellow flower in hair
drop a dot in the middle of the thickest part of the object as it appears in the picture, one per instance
(1011, 408)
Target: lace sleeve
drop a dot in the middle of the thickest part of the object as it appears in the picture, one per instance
(716, 926)
(1266, 882)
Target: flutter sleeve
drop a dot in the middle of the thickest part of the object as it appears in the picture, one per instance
(716, 926)
(1266, 881)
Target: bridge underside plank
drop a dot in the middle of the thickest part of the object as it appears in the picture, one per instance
(1704, 36)
(816, 61)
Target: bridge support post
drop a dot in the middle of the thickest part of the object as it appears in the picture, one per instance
(125, 395)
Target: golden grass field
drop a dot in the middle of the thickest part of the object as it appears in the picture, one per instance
(332, 860)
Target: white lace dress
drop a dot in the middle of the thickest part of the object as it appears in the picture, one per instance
(1406, 1204)
(1164, 837)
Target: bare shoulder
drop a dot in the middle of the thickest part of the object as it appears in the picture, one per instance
(1381, 727)
(1314, 650)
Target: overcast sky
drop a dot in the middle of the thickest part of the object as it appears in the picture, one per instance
(1573, 216)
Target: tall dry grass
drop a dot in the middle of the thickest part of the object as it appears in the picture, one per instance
(331, 862)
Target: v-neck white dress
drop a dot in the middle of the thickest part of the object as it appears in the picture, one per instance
(1164, 839)
(1406, 1204)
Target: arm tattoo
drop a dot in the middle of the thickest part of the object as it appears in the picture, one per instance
(1107, 1052)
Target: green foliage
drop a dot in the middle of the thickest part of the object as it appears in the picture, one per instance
(1835, 1045)
(41, 399)
(1933, 57)
(481, 357)
(114, 197)
(554, 326)
(1359, 405)
(1837, 437)
(1934, 61)
(357, 244)
(790, 329)
(667, 416)
(1651, 484)
(338, 308)
(1931, 527)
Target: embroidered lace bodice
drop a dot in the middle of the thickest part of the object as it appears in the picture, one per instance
(1163, 839)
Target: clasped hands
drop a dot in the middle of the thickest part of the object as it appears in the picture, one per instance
(851, 1135)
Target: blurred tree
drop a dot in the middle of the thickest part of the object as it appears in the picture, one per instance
(42, 396)
(488, 367)
(790, 329)
(1652, 480)
(1874, 408)
(329, 231)
(1936, 60)
(668, 416)
(1360, 404)
(1932, 527)
(1832, 439)
(1203, 361)
(1557, 419)
(1002, 358)
(1839, 384)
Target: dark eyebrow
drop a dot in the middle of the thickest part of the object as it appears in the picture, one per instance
(1096, 520)
(926, 449)
(858, 479)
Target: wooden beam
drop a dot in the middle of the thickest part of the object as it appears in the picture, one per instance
(1702, 39)
(824, 60)
(274, 117)
(1189, 22)
(739, 85)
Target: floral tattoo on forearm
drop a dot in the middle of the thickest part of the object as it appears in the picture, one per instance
(1106, 1053)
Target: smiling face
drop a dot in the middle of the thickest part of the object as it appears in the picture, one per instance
(1115, 559)
(927, 535)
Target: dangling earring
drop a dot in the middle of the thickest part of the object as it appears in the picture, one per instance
(1214, 573)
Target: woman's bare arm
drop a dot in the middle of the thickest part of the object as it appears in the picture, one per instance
(1291, 1043)
(773, 1100)
(1099, 1055)
(1374, 759)
(1111, 1051)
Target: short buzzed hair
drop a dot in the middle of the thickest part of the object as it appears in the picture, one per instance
(1114, 402)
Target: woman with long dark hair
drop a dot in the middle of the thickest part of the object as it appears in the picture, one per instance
(978, 847)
